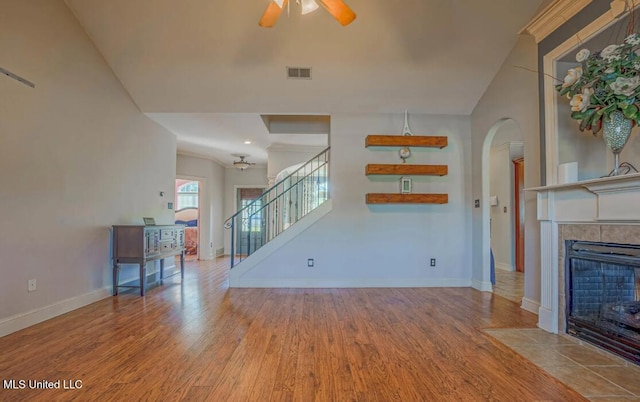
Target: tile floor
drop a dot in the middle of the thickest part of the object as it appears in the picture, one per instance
(596, 374)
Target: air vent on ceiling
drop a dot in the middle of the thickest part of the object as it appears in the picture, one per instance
(301, 73)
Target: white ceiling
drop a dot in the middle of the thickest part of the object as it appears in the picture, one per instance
(205, 69)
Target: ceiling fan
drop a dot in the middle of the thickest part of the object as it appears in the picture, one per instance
(337, 8)
(242, 164)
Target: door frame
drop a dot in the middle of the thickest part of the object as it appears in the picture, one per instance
(518, 186)
(237, 187)
(202, 182)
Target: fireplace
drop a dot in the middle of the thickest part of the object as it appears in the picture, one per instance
(602, 288)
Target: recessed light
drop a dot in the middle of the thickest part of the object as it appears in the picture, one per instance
(247, 142)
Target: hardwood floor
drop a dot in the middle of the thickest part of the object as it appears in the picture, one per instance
(200, 340)
(510, 285)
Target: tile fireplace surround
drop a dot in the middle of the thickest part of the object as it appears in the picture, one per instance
(622, 234)
(604, 210)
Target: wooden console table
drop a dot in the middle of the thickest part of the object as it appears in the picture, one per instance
(138, 244)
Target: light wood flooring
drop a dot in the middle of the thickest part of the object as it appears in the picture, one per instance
(510, 285)
(201, 341)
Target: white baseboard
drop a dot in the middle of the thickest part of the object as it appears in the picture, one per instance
(482, 286)
(24, 320)
(352, 283)
(530, 305)
(504, 266)
(220, 252)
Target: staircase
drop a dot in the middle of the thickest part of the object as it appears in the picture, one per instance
(279, 207)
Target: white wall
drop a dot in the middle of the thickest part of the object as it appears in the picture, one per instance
(76, 157)
(383, 245)
(281, 157)
(233, 179)
(212, 208)
(505, 149)
(501, 185)
(513, 94)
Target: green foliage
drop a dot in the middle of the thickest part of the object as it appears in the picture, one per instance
(605, 81)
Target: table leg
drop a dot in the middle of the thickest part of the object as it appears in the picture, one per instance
(143, 277)
(116, 271)
(182, 265)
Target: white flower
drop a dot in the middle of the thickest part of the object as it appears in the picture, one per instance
(633, 39)
(583, 55)
(573, 75)
(580, 102)
(625, 86)
(609, 70)
(609, 51)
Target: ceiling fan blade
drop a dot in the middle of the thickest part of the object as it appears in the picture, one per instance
(339, 11)
(271, 14)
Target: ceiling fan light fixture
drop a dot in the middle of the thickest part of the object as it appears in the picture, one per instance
(309, 6)
(242, 164)
(337, 8)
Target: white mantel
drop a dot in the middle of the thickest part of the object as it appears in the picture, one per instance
(608, 200)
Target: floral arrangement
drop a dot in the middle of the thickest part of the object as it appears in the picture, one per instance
(605, 81)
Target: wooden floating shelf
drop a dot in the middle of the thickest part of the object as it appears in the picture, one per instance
(405, 141)
(405, 169)
(394, 198)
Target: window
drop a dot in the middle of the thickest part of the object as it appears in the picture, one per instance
(187, 196)
(252, 216)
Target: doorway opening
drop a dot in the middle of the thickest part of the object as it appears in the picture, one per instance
(188, 214)
(503, 210)
(251, 234)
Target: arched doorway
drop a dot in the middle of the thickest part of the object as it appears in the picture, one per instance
(503, 209)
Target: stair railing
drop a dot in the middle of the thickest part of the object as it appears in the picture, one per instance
(279, 207)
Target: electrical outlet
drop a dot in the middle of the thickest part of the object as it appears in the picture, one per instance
(433, 262)
(310, 262)
(31, 285)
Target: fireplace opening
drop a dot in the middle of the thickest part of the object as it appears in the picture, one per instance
(603, 295)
